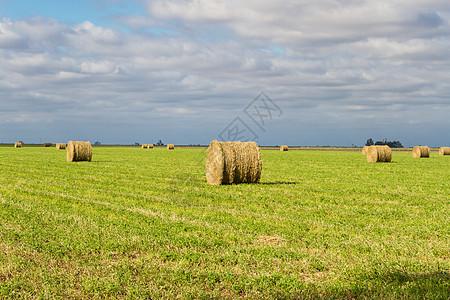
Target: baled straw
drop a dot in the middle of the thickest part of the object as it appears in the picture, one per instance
(444, 151)
(421, 151)
(60, 146)
(79, 151)
(48, 144)
(379, 154)
(18, 145)
(233, 162)
(284, 148)
(150, 146)
(144, 146)
(364, 150)
(170, 146)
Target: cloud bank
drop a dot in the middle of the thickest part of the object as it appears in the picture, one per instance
(341, 71)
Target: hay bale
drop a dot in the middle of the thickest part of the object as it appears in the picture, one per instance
(18, 145)
(364, 150)
(79, 151)
(421, 151)
(379, 154)
(170, 146)
(444, 151)
(233, 162)
(150, 146)
(284, 148)
(60, 146)
(48, 144)
(144, 146)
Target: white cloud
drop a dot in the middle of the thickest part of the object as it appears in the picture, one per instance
(97, 33)
(102, 67)
(195, 10)
(296, 23)
(9, 39)
(69, 75)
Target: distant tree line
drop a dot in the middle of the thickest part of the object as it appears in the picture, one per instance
(393, 144)
(159, 143)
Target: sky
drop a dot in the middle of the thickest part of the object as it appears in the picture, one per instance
(324, 72)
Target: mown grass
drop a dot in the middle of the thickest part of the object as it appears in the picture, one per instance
(137, 223)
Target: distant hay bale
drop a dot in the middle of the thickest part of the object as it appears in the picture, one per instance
(150, 146)
(364, 150)
(421, 151)
(18, 145)
(144, 146)
(233, 162)
(444, 151)
(170, 146)
(284, 148)
(79, 151)
(48, 144)
(379, 154)
(60, 146)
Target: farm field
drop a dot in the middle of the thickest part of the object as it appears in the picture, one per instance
(143, 223)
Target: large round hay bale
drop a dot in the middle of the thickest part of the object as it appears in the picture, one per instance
(364, 150)
(284, 148)
(444, 151)
(150, 146)
(170, 146)
(379, 154)
(48, 144)
(144, 146)
(421, 151)
(233, 162)
(18, 145)
(79, 151)
(60, 146)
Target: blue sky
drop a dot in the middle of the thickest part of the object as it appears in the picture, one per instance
(184, 71)
(71, 11)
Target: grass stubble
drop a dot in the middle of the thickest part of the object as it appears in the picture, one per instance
(135, 224)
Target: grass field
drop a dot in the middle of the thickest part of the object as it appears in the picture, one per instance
(137, 223)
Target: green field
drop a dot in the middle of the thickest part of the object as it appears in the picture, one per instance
(137, 223)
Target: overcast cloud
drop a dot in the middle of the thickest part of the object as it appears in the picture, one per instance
(181, 71)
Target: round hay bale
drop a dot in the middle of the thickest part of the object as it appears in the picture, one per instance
(379, 154)
(233, 162)
(48, 144)
(364, 150)
(79, 151)
(150, 146)
(284, 148)
(421, 151)
(60, 146)
(144, 146)
(18, 145)
(444, 151)
(170, 146)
